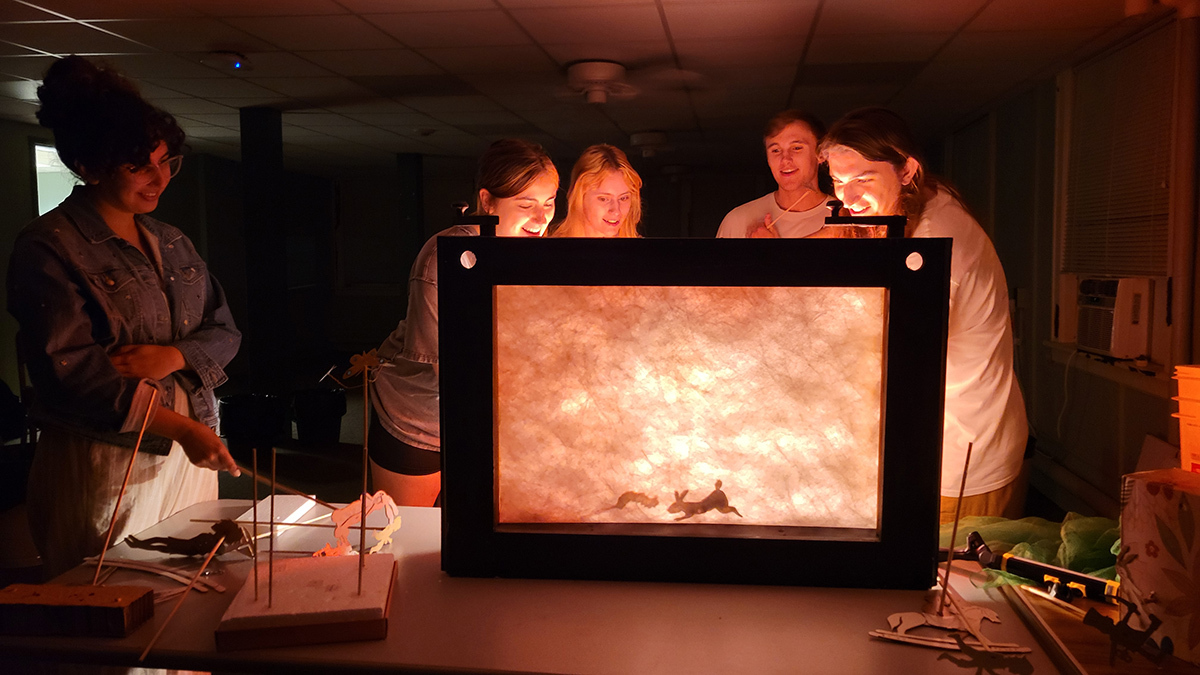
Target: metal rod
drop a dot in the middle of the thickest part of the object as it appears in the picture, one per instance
(182, 597)
(362, 524)
(954, 531)
(289, 490)
(254, 509)
(112, 523)
(271, 553)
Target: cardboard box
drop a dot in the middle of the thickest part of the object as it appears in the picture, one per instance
(1159, 562)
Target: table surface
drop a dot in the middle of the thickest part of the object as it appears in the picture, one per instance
(448, 624)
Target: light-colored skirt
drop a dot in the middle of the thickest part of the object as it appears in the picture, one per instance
(74, 484)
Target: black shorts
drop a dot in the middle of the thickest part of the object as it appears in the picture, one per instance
(397, 456)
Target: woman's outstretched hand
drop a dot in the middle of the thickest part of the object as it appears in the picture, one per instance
(200, 443)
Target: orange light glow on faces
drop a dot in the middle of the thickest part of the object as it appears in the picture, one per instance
(606, 206)
(792, 156)
(527, 213)
(611, 400)
(866, 187)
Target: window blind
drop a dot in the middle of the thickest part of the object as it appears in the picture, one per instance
(1119, 162)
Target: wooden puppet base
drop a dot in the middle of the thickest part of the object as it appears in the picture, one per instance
(85, 611)
(315, 601)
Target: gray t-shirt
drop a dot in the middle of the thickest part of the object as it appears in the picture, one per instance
(405, 391)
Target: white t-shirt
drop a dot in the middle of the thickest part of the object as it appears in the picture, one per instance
(984, 405)
(739, 222)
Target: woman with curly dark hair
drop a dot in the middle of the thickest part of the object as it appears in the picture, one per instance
(121, 326)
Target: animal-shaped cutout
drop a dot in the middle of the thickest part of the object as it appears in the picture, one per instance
(969, 619)
(716, 500)
(629, 497)
(351, 514)
(984, 661)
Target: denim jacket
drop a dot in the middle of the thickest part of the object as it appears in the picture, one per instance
(79, 292)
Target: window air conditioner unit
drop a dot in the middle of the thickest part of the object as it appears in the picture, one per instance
(1114, 316)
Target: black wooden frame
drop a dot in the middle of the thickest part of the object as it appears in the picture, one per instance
(903, 553)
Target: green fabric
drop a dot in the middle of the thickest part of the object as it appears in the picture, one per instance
(1079, 543)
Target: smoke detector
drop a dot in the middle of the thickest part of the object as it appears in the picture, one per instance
(599, 81)
(228, 61)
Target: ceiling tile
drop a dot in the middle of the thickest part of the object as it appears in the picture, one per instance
(707, 54)
(628, 53)
(373, 62)
(1057, 15)
(632, 23)
(858, 73)
(18, 12)
(158, 66)
(316, 90)
(208, 131)
(488, 28)
(875, 48)
(276, 64)
(317, 33)
(216, 87)
(191, 35)
(416, 85)
(160, 95)
(391, 6)
(116, 9)
(293, 133)
(65, 38)
(7, 49)
(840, 97)
(32, 67)
(194, 106)
(440, 104)
(239, 8)
(228, 120)
(476, 117)
(535, 4)
(848, 17)
(396, 119)
(754, 19)
(779, 77)
(379, 105)
(318, 120)
(512, 59)
(1045, 45)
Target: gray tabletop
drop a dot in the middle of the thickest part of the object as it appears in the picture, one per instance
(445, 624)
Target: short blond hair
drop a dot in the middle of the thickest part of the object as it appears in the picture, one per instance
(589, 171)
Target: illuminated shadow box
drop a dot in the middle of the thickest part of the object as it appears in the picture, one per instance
(737, 411)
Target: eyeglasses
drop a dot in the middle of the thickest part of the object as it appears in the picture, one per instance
(149, 172)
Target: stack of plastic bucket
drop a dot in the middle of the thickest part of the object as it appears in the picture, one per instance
(1188, 378)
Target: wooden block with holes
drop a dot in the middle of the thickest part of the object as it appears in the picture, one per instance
(316, 600)
(85, 611)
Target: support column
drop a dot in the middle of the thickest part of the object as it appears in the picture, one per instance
(266, 342)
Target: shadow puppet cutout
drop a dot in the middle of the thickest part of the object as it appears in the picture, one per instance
(235, 539)
(984, 661)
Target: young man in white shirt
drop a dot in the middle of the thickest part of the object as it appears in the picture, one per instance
(797, 208)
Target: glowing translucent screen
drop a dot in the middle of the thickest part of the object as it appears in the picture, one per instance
(611, 399)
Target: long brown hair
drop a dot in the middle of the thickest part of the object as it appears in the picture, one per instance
(589, 171)
(509, 166)
(880, 135)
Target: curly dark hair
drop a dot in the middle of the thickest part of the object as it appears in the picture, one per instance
(100, 120)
